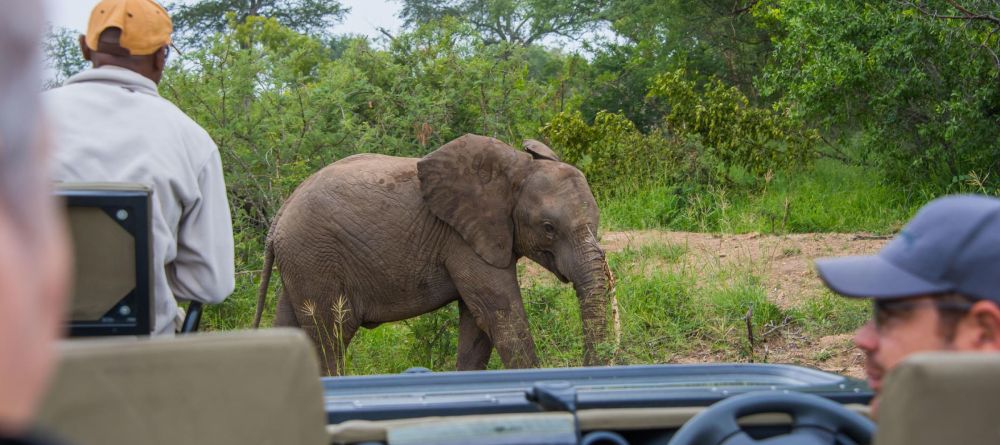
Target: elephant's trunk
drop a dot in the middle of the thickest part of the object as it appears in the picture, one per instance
(591, 280)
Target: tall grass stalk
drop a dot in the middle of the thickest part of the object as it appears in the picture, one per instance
(330, 335)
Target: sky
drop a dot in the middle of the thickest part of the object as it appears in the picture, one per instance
(365, 16)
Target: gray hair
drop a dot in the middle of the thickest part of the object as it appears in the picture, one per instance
(23, 176)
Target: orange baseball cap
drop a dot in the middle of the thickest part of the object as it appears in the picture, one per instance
(145, 25)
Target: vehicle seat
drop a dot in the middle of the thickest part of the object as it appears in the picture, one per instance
(940, 398)
(243, 387)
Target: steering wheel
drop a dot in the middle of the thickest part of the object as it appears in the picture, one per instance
(815, 421)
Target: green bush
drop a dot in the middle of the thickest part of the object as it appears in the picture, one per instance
(611, 150)
(711, 135)
(734, 133)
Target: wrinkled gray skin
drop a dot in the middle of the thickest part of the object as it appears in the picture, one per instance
(400, 237)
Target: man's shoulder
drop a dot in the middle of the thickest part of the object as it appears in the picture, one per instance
(137, 102)
(62, 92)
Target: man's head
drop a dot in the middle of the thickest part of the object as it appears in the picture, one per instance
(935, 286)
(34, 262)
(132, 34)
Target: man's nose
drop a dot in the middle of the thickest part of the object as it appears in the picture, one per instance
(866, 337)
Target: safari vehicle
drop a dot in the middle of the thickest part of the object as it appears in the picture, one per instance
(261, 387)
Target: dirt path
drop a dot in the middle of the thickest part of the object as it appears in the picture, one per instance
(784, 263)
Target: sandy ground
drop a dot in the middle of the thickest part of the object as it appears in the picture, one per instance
(785, 263)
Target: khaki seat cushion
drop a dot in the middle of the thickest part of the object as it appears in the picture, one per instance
(941, 398)
(250, 387)
(104, 262)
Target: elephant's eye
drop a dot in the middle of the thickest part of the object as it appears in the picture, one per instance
(549, 228)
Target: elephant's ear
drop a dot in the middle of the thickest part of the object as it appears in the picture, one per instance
(466, 183)
(539, 150)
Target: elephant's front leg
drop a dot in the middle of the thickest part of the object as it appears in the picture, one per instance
(494, 299)
(474, 346)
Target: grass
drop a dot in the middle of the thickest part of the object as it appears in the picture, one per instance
(670, 309)
(668, 313)
(827, 197)
(829, 314)
(669, 253)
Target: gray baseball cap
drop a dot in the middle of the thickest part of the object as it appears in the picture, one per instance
(951, 245)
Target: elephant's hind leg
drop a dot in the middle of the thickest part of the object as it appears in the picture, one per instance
(285, 314)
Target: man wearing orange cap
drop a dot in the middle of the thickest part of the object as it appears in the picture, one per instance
(111, 125)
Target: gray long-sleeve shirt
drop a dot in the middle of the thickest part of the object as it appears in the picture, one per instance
(111, 125)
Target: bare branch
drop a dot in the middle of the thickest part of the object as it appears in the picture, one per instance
(737, 9)
(386, 33)
(973, 15)
(968, 15)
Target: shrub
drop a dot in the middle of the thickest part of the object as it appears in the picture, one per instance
(734, 133)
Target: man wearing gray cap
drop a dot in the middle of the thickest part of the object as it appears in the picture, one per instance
(935, 286)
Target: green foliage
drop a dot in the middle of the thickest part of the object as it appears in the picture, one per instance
(735, 133)
(436, 335)
(193, 21)
(673, 34)
(738, 311)
(922, 89)
(62, 55)
(658, 36)
(255, 98)
(827, 197)
(610, 150)
(619, 77)
(712, 135)
(519, 22)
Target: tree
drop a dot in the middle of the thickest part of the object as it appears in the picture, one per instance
(312, 17)
(705, 38)
(62, 55)
(716, 38)
(521, 22)
(981, 15)
(919, 88)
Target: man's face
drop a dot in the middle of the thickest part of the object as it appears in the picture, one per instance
(898, 329)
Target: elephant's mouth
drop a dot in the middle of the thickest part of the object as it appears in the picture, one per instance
(549, 261)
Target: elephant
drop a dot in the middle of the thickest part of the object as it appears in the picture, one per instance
(371, 239)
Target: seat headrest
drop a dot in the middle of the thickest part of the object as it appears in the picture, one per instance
(211, 388)
(941, 397)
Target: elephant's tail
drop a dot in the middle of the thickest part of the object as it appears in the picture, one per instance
(265, 278)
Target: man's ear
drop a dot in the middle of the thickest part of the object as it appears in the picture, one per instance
(84, 48)
(160, 59)
(985, 322)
